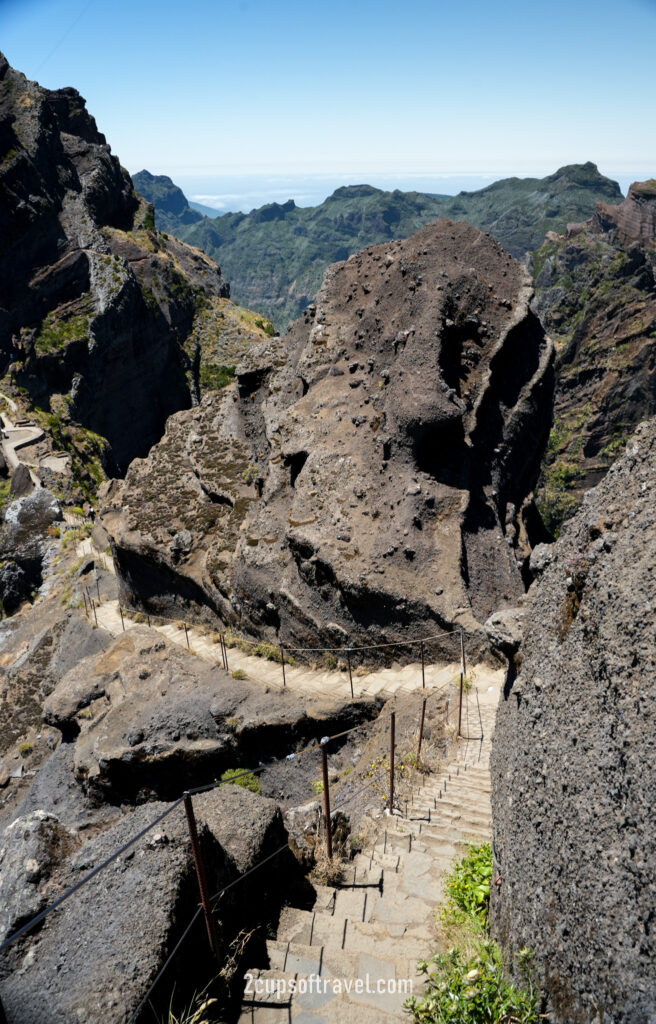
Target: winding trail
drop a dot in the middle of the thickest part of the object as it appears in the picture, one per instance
(14, 438)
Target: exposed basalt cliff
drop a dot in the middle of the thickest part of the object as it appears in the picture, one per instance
(372, 472)
(96, 308)
(596, 295)
(573, 780)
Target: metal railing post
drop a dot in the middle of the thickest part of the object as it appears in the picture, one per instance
(199, 863)
(423, 674)
(462, 679)
(122, 619)
(391, 779)
(94, 612)
(326, 802)
(348, 662)
(421, 729)
(187, 634)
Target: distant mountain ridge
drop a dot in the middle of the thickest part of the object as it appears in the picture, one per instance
(275, 256)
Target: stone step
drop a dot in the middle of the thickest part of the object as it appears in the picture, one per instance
(335, 997)
(382, 939)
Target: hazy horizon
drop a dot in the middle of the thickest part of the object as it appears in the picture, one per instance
(280, 87)
(243, 193)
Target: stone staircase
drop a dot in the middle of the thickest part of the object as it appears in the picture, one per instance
(367, 934)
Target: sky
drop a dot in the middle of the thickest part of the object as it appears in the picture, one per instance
(214, 91)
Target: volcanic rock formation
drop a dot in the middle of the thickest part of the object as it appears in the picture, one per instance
(573, 781)
(95, 306)
(596, 296)
(371, 471)
(634, 220)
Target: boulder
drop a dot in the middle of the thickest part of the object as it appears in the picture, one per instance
(504, 630)
(29, 848)
(573, 780)
(24, 544)
(96, 957)
(21, 481)
(370, 477)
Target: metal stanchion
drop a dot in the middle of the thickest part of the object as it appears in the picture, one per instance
(210, 923)
(391, 792)
(348, 662)
(186, 634)
(326, 802)
(421, 730)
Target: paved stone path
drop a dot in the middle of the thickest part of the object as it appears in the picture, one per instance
(298, 678)
(380, 920)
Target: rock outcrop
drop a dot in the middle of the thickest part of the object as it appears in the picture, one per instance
(96, 307)
(96, 957)
(24, 544)
(634, 220)
(371, 472)
(596, 296)
(573, 780)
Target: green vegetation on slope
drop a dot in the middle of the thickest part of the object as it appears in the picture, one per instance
(468, 984)
(598, 303)
(275, 256)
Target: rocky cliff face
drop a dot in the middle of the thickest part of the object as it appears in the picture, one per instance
(372, 472)
(634, 220)
(95, 306)
(573, 782)
(596, 296)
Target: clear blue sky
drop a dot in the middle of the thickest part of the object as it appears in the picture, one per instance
(366, 86)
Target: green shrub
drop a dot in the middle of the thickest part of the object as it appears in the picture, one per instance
(474, 990)
(468, 984)
(329, 660)
(468, 885)
(238, 673)
(213, 376)
(246, 779)
(268, 651)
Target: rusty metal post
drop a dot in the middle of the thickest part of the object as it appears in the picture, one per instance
(225, 652)
(392, 744)
(94, 612)
(122, 619)
(421, 729)
(348, 662)
(210, 923)
(463, 671)
(187, 634)
(148, 617)
(98, 589)
(282, 662)
(423, 674)
(223, 661)
(86, 608)
(326, 802)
